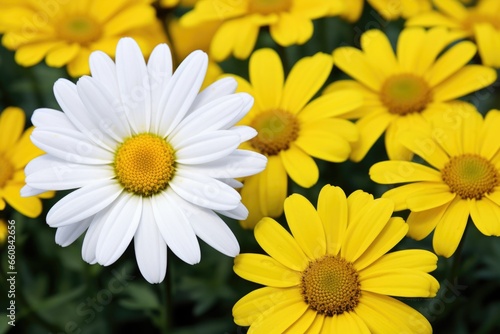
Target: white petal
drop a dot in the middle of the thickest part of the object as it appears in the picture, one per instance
(28, 191)
(160, 71)
(66, 235)
(92, 236)
(216, 115)
(70, 145)
(47, 172)
(83, 203)
(119, 228)
(240, 163)
(221, 87)
(245, 132)
(211, 228)
(180, 92)
(105, 107)
(204, 191)
(45, 117)
(72, 105)
(175, 227)
(133, 82)
(150, 248)
(240, 213)
(103, 70)
(206, 147)
(232, 183)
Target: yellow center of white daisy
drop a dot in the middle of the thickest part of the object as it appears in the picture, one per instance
(6, 171)
(330, 286)
(470, 176)
(269, 6)
(144, 164)
(276, 130)
(405, 93)
(79, 28)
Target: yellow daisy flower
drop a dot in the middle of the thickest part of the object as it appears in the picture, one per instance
(289, 22)
(16, 150)
(463, 178)
(481, 22)
(402, 90)
(332, 275)
(65, 33)
(350, 10)
(290, 130)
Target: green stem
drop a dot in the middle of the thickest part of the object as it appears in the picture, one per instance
(165, 320)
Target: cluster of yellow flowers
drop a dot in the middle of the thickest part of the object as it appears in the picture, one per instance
(332, 273)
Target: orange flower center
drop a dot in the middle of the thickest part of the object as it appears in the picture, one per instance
(405, 93)
(276, 130)
(6, 171)
(269, 6)
(144, 164)
(79, 28)
(470, 176)
(330, 286)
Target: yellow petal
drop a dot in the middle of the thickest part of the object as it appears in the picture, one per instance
(256, 304)
(60, 56)
(305, 225)
(486, 216)
(422, 223)
(416, 259)
(317, 325)
(357, 199)
(450, 62)
(340, 127)
(467, 80)
(379, 53)
(303, 324)
(384, 314)
(409, 47)
(422, 144)
(305, 79)
(266, 75)
(265, 270)
(80, 65)
(32, 54)
(370, 128)
(430, 198)
(28, 206)
(393, 145)
(390, 172)
(300, 166)
(291, 29)
(393, 232)
(355, 63)
(487, 142)
(280, 318)
(333, 104)
(252, 201)
(450, 229)
(24, 150)
(324, 145)
(365, 228)
(273, 187)
(452, 8)
(332, 210)
(280, 245)
(399, 282)
(133, 17)
(400, 194)
(247, 37)
(347, 322)
(11, 126)
(488, 43)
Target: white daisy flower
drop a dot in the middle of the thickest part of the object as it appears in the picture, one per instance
(152, 158)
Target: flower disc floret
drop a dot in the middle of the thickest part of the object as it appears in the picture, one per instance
(276, 130)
